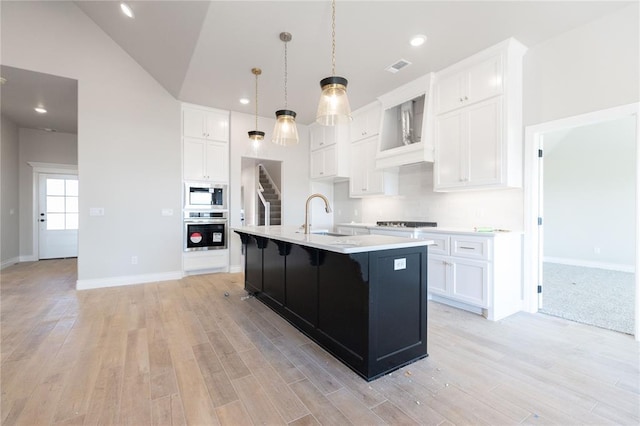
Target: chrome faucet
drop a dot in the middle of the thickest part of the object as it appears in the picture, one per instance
(327, 208)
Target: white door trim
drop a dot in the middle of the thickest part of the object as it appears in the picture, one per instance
(48, 168)
(533, 136)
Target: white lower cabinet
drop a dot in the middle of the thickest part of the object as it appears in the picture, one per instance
(482, 273)
(207, 260)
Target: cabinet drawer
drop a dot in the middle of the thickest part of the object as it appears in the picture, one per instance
(441, 241)
(470, 247)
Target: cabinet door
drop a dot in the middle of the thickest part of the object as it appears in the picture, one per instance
(365, 123)
(330, 161)
(216, 125)
(448, 92)
(357, 180)
(194, 153)
(437, 275)
(317, 164)
(193, 123)
(449, 153)
(322, 136)
(217, 162)
(470, 282)
(484, 80)
(484, 136)
(374, 180)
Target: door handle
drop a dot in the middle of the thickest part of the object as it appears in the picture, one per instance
(41, 220)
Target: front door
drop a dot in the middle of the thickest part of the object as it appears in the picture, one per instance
(58, 216)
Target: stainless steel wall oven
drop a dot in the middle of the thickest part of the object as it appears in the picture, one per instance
(205, 230)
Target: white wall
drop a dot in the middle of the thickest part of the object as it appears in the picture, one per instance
(9, 182)
(589, 195)
(590, 68)
(128, 142)
(44, 147)
(294, 173)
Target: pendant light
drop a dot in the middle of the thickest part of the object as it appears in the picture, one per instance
(285, 131)
(256, 135)
(333, 107)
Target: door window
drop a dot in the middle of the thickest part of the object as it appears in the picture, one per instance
(62, 204)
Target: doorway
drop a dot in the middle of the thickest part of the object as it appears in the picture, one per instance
(581, 226)
(252, 212)
(57, 216)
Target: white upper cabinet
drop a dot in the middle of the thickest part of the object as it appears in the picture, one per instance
(329, 156)
(406, 126)
(478, 126)
(204, 123)
(205, 144)
(322, 136)
(366, 122)
(365, 179)
(205, 160)
(479, 82)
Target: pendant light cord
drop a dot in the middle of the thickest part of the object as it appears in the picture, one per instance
(333, 37)
(256, 101)
(285, 74)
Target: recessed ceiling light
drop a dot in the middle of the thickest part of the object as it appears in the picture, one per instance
(418, 40)
(40, 110)
(244, 101)
(126, 9)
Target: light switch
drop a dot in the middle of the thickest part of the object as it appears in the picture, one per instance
(167, 212)
(96, 211)
(399, 264)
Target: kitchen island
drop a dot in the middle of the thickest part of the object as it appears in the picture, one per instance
(362, 298)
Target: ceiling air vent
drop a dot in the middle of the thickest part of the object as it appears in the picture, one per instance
(397, 66)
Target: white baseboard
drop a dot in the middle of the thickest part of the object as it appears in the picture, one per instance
(234, 269)
(29, 258)
(9, 262)
(126, 280)
(588, 264)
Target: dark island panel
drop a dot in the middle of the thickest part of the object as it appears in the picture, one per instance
(368, 309)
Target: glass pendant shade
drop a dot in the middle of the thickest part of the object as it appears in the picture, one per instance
(285, 132)
(333, 107)
(256, 135)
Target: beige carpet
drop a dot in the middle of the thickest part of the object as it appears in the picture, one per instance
(592, 296)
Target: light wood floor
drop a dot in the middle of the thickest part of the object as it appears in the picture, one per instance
(180, 352)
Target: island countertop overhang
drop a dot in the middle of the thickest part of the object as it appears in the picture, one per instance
(342, 244)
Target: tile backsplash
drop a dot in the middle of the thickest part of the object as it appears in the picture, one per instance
(416, 201)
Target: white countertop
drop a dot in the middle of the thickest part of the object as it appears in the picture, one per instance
(431, 229)
(343, 244)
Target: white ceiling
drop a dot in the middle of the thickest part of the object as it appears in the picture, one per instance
(202, 52)
(24, 90)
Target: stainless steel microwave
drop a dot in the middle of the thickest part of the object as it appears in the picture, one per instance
(205, 196)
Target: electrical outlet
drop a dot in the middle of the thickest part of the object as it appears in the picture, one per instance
(596, 250)
(134, 260)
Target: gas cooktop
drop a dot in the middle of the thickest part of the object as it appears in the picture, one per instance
(406, 224)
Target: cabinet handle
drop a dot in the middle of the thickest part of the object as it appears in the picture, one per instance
(467, 248)
(461, 100)
(364, 189)
(466, 99)
(321, 143)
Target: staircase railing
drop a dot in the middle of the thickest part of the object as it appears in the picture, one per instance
(266, 204)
